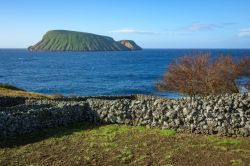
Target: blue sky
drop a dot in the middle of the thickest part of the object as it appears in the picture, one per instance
(150, 23)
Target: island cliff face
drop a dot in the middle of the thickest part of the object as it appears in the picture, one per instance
(63, 40)
(130, 44)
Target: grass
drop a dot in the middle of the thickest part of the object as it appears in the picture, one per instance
(62, 40)
(237, 162)
(229, 142)
(225, 141)
(126, 155)
(12, 91)
(165, 132)
(168, 132)
(88, 144)
(9, 87)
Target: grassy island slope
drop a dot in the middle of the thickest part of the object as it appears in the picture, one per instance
(63, 40)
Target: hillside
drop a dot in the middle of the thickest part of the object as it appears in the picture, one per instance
(11, 91)
(62, 40)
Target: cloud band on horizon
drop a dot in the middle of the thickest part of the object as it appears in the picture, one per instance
(135, 31)
(244, 32)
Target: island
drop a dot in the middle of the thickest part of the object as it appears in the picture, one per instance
(64, 40)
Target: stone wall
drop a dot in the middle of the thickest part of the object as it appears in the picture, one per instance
(11, 101)
(227, 115)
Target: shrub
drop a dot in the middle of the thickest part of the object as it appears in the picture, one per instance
(199, 75)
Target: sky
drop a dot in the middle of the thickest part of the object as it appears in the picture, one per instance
(150, 23)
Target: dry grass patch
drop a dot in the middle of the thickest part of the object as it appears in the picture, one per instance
(9, 90)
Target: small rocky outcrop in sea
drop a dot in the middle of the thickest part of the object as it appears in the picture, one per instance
(130, 44)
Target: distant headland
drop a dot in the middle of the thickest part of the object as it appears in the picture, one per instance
(64, 40)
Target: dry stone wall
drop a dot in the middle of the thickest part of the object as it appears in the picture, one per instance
(227, 115)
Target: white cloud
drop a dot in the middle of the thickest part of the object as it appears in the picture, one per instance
(135, 31)
(199, 27)
(125, 31)
(195, 27)
(244, 32)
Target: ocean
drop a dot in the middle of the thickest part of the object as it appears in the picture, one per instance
(94, 73)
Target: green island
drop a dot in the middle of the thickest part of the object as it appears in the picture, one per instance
(64, 40)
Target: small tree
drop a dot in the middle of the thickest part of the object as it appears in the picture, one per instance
(199, 75)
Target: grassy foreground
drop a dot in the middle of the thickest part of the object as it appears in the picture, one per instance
(88, 144)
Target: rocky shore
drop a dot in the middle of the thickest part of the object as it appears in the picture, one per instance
(227, 115)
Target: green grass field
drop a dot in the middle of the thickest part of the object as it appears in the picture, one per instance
(88, 144)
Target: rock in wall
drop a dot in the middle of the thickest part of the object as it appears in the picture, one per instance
(227, 115)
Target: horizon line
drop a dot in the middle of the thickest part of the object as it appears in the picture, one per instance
(152, 48)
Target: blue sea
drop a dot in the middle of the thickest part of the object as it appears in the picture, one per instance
(94, 73)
